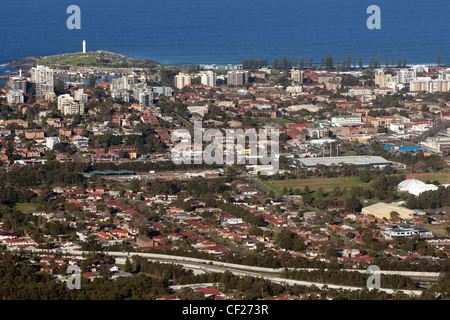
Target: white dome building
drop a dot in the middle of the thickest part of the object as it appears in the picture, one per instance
(415, 186)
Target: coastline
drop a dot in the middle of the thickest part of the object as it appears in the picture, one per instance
(26, 63)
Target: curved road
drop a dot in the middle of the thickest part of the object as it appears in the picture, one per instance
(242, 270)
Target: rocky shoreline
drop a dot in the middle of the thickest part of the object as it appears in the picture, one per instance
(25, 62)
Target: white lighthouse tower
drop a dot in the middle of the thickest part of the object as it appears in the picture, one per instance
(84, 46)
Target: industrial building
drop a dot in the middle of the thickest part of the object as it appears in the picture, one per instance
(383, 210)
(367, 161)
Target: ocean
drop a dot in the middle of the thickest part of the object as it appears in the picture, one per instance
(228, 31)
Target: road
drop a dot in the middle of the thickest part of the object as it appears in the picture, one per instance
(188, 124)
(241, 270)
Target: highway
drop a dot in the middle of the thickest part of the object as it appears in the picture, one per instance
(201, 265)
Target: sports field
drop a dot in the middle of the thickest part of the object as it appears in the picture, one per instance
(278, 120)
(27, 207)
(328, 184)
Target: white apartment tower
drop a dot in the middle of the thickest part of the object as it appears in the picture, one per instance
(51, 141)
(208, 78)
(14, 96)
(42, 76)
(297, 75)
(69, 106)
(143, 95)
(127, 82)
(18, 83)
(182, 80)
(406, 75)
(80, 96)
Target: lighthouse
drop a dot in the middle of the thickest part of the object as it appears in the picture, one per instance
(84, 46)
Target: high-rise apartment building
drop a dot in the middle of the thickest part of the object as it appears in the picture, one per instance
(165, 91)
(143, 95)
(42, 76)
(406, 75)
(126, 82)
(237, 77)
(80, 96)
(182, 80)
(14, 96)
(69, 106)
(439, 85)
(208, 78)
(382, 80)
(18, 83)
(297, 75)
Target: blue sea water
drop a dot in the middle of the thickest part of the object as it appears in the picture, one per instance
(227, 31)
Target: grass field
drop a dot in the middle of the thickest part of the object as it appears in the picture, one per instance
(70, 58)
(328, 184)
(96, 59)
(278, 120)
(434, 177)
(438, 230)
(27, 207)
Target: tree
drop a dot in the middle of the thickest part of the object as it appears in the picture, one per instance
(381, 129)
(299, 245)
(328, 61)
(319, 192)
(378, 63)
(404, 62)
(92, 82)
(353, 205)
(301, 63)
(189, 294)
(128, 266)
(275, 63)
(438, 58)
(255, 231)
(285, 238)
(367, 236)
(394, 215)
(447, 230)
(330, 252)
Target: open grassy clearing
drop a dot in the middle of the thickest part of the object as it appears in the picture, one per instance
(434, 177)
(438, 230)
(277, 120)
(328, 184)
(27, 207)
